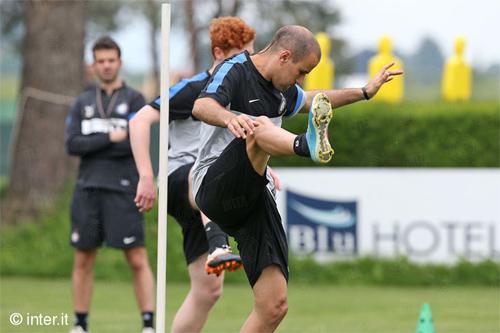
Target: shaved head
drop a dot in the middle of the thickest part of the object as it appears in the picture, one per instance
(297, 39)
(289, 57)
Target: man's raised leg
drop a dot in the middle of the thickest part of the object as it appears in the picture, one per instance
(277, 141)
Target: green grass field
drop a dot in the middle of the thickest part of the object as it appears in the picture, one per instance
(318, 308)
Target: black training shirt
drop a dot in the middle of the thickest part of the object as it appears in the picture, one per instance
(103, 164)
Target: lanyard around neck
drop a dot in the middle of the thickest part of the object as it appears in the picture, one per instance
(111, 105)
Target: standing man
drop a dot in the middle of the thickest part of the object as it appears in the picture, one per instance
(206, 247)
(242, 106)
(103, 207)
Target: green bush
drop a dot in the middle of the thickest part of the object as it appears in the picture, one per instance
(409, 135)
(399, 272)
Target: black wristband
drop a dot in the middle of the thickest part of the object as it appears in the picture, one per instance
(365, 93)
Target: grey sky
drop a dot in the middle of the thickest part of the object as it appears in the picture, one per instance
(408, 21)
(363, 22)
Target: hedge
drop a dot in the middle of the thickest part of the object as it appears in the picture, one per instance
(369, 134)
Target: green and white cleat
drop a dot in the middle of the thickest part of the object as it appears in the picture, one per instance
(320, 116)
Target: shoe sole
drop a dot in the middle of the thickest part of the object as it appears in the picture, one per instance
(322, 114)
(226, 262)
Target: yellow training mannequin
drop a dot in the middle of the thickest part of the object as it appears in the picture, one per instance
(323, 75)
(456, 84)
(391, 92)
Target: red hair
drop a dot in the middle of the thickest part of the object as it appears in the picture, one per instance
(230, 32)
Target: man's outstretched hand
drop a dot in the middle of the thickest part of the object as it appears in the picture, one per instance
(383, 76)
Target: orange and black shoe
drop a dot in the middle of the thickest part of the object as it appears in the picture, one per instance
(222, 259)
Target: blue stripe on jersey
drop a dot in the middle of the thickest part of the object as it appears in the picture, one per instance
(157, 101)
(181, 84)
(131, 115)
(299, 103)
(223, 70)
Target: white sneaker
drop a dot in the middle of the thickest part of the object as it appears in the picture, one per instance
(78, 329)
(148, 330)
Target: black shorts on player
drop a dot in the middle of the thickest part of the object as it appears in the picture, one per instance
(234, 196)
(195, 239)
(99, 215)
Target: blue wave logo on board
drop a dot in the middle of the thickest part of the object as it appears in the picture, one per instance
(339, 216)
(325, 227)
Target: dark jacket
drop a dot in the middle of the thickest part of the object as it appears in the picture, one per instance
(103, 164)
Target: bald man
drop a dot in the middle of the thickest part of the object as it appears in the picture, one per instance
(242, 107)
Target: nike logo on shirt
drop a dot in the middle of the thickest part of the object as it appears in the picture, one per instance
(254, 100)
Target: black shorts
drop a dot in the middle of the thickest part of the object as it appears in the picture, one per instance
(99, 215)
(195, 240)
(235, 197)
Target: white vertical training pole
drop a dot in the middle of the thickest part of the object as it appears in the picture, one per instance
(161, 267)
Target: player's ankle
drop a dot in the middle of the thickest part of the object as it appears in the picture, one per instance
(147, 319)
(81, 319)
(300, 146)
(215, 236)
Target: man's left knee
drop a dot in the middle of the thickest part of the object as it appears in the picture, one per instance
(263, 121)
(137, 259)
(274, 309)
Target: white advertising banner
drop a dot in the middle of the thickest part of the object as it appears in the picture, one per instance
(428, 215)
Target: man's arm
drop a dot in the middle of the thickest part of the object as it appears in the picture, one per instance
(140, 129)
(211, 112)
(341, 97)
(123, 148)
(78, 144)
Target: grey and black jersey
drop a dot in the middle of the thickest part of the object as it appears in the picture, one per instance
(237, 85)
(184, 129)
(103, 164)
